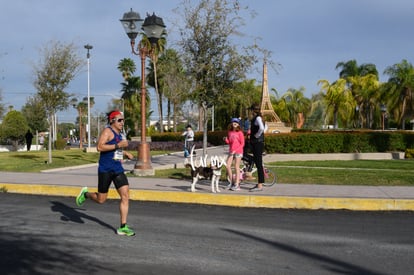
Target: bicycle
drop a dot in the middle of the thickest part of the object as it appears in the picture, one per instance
(248, 173)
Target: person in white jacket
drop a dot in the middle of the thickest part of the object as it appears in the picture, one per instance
(189, 138)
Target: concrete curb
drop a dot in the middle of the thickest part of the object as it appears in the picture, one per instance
(69, 168)
(253, 201)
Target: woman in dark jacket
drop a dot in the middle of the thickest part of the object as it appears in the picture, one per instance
(257, 144)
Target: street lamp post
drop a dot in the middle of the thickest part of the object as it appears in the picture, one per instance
(89, 47)
(153, 27)
(383, 109)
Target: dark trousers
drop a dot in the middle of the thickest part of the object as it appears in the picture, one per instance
(257, 149)
(189, 144)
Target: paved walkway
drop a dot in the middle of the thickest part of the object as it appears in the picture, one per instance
(67, 182)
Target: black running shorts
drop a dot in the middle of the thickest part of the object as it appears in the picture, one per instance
(105, 180)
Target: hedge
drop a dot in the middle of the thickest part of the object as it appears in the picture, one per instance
(315, 141)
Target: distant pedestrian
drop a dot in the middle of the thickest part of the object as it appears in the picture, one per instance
(29, 138)
(256, 140)
(189, 138)
(235, 140)
(110, 144)
(41, 140)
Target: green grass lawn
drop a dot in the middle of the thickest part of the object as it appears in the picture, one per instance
(36, 161)
(350, 172)
(353, 172)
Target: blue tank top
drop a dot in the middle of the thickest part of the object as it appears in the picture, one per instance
(107, 163)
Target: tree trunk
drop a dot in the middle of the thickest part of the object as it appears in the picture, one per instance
(159, 99)
(50, 139)
(205, 130)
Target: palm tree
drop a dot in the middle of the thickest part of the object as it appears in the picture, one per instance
(317, 111)
(351, 68)
(82, 108)
(365, 90)
(127, 67)
(363, 82)
(338, 99)
(130, 88)
(400, 87)
(154, 50)
(174, 83)
(297, 105)
(132, 102)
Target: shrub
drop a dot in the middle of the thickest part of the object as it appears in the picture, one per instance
(60, 144)
(409, 153)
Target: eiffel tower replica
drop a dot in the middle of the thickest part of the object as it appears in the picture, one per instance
(272, 120)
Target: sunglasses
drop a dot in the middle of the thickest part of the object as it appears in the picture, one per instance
(120, 120)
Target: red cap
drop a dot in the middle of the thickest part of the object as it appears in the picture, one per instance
(114, 114)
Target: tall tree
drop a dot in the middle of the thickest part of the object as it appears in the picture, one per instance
(365, 90)
(339, 100)
(131, 88)
(400, 87)
(127, 67)
(131, 91)
(363, 82)
(174, 84)
(155, 49)
(82, 108)
(2, 109)
(58, 66)
(14, 127)
(212, 61)
(351, 68)
(35, 114)
(297, 105)
(317, 112)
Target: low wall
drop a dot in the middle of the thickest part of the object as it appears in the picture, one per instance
(20, 148)
(333, 156)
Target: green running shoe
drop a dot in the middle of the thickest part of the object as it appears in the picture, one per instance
(80, 199)
(125, 231)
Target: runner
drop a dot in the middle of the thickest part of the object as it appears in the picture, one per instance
(110, 169)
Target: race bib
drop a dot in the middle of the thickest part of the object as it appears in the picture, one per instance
(118, 154)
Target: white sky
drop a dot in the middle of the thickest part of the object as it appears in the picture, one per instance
(308, 38)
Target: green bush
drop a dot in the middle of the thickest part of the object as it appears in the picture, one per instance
(60, 144)
(409, 153)
(317, 142)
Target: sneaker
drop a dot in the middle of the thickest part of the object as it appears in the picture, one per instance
(80, 199)
(125, 231)
(235, 188)
(256, 188)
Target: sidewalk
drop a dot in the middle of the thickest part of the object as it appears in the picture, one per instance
(67, 182)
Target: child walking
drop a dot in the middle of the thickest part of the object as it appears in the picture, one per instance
(235, 140)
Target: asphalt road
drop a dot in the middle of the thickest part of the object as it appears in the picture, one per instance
(50, 235)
